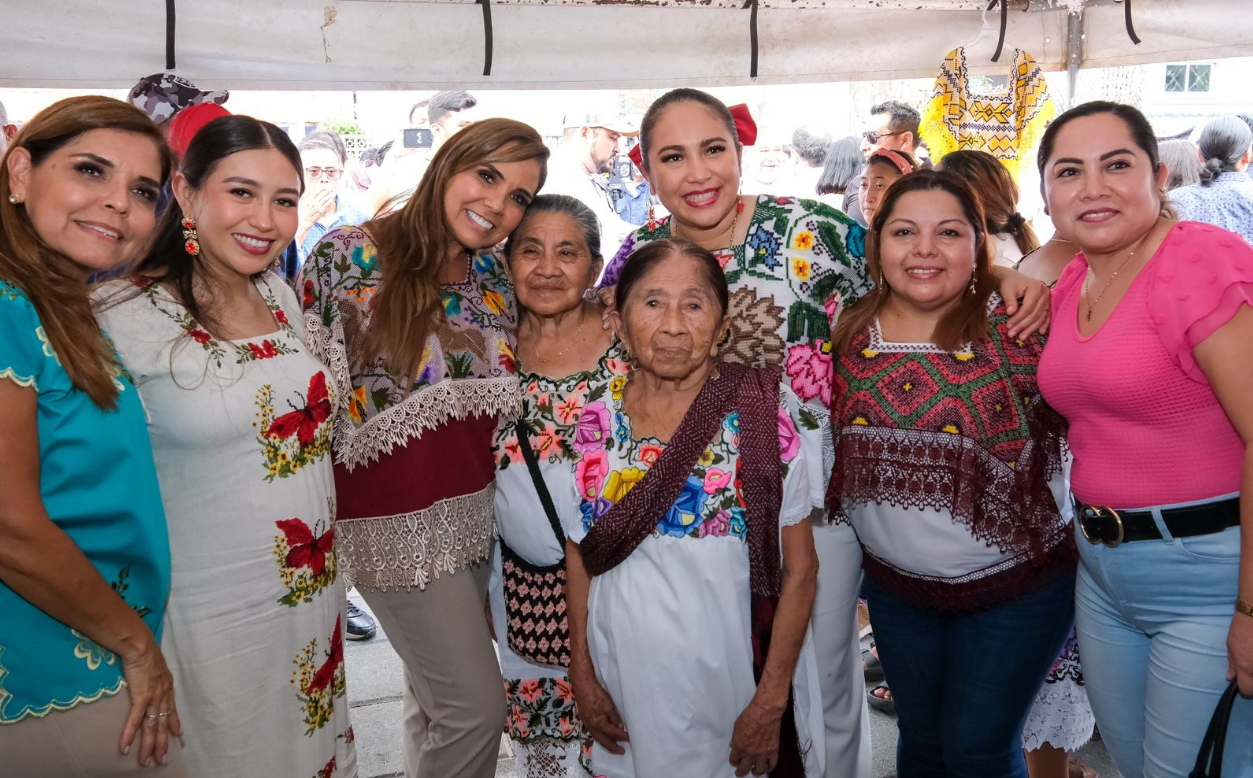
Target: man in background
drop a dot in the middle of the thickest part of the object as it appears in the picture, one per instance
(581, 167)
(891, 125)
(323, 206)
(444, 114)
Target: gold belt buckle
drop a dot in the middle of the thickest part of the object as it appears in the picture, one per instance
(1095, 512)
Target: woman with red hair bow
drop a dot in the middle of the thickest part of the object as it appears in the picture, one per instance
(792, 265)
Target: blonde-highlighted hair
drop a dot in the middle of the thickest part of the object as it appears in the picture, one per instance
(413, 242)
(60, 298)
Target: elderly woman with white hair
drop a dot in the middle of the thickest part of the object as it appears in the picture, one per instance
(1224, 195)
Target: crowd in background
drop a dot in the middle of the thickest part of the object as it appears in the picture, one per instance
(615, 438)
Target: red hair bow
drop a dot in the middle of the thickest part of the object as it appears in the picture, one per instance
(745, 128)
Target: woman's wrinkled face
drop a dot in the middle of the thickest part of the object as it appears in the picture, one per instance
(876, 180)
(484, 204)
(694, 164)
(245, 210)
(94, 199)
(928, 249)
(671, 321)
(551, 264)
(1101, 188)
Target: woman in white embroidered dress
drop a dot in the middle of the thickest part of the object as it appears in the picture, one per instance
(415, 315)
(565, 360)
(240, 418)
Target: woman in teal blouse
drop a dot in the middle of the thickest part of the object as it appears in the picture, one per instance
(84, 557)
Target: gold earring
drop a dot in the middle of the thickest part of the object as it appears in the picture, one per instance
(192, 245)
(974, 282)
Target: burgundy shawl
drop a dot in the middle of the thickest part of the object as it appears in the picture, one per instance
(754, 393)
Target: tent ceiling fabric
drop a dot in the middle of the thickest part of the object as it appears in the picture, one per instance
(564, 44)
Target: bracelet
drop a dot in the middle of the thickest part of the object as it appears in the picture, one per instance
(1243, 607)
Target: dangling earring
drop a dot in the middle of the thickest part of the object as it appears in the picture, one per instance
(192, 246)
(882, 283)
(974, 282)
(652, 215)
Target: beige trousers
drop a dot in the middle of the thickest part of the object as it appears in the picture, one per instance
(79, 743)
(454, 698)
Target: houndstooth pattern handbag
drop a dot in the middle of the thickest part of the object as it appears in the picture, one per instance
(536, 626)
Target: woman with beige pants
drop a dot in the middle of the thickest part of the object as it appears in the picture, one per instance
(414, 315)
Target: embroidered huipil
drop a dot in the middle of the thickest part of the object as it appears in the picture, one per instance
(549, 738)
(800, 265)
(949, 465)
(241, 433)
(414, 471)
(1005, 123)
(98, 485)
(669, 627)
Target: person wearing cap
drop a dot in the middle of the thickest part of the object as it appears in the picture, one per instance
(582, 164)
(163, 95)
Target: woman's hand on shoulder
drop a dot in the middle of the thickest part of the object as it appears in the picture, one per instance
(596, 707)
(606, 300)
(152, 716)
(755, 739)
(1027, 301)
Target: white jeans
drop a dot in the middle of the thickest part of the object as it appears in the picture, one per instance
(835, 633)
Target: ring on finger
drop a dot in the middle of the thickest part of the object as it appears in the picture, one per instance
(151, 716)
(163, 714)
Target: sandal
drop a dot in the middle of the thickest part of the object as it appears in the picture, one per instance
(884, 702)
(871, 665)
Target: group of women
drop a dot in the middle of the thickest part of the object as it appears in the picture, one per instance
(689, 462)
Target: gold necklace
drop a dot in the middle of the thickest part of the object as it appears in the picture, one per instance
(569, 345)
(1087, 281)
(739, 207)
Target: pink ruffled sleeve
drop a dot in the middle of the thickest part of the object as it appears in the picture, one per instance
(1202, 277)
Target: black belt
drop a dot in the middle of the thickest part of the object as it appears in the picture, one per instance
(1113, 528)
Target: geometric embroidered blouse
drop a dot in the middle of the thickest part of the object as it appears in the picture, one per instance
(400, 529)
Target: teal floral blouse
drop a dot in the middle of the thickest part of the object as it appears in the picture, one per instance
(99, 486)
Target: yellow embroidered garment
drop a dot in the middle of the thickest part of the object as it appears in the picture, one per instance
(1006, 123)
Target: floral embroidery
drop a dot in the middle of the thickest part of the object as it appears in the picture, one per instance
(800, 265)
(328, 771)
(320, 684)
(809, 367)
(282, 343)
(92, 652)
(543, 708)
(306, 557)
(295, 439)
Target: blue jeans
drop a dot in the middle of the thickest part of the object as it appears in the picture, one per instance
(1152, 618)
(964, 683)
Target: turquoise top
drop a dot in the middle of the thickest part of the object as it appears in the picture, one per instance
(98, 485)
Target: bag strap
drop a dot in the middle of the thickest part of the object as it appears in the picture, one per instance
(541, 488)
(1209, 762)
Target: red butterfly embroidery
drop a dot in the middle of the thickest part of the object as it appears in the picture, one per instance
(303, 422)
(329, 770)
(326, 673)
(305, 550)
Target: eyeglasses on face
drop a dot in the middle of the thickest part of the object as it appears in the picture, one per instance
(872, 136)
(331, 173)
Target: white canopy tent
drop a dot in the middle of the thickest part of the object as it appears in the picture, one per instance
(576, 44)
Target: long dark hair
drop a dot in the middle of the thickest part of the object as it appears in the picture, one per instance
(412, 242)
(997, 192)
(26, 261)
(168, 262)
(962, 324)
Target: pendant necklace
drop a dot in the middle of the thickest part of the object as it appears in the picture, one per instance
(1087, 281)
(569, 345)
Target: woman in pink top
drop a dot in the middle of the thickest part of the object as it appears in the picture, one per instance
(1149, 361)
